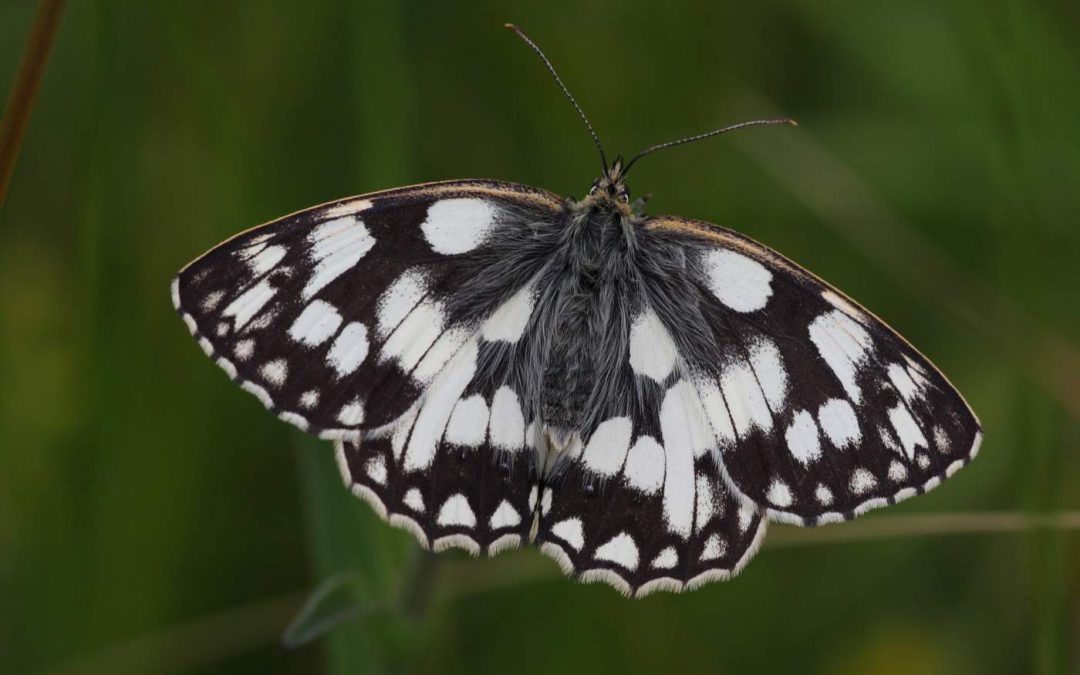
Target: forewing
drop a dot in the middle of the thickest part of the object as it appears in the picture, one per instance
(339, 317)
(819, 409)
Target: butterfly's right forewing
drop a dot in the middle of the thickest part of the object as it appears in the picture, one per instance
(820, 410)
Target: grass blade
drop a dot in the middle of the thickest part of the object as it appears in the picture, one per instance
(21, 100)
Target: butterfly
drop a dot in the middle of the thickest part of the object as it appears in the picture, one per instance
(635, 395)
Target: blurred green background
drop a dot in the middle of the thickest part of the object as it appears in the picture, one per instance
(154, 519)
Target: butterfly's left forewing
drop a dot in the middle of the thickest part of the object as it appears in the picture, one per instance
(340, 316)
(820, 410)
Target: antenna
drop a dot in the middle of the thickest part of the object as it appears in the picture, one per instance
(715, 132)
(558, 80)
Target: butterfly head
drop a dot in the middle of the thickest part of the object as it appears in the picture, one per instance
(611, 185)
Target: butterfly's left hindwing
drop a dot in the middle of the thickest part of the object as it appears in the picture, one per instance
(820, 410)
(338, 317)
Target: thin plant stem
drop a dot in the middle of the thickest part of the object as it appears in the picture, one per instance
(460, 580)
(23, 93)
(929, 524)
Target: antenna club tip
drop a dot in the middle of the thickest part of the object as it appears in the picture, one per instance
(792, 122)
(510, 26)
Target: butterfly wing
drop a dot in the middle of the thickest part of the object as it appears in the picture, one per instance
(467, 480)
(820, 410)
(338, 317)
(390, 322)
(641, 504)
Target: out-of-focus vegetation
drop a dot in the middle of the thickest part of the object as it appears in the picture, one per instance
(155, 519)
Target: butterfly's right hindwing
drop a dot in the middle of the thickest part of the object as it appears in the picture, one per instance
(340, 316)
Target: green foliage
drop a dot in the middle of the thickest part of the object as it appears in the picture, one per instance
(155, 519)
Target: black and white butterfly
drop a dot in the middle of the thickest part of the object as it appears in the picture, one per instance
(636, 395)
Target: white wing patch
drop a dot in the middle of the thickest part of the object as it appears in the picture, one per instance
(745, 401)
(911, 436)
(741, 283)
(712, 401)
(413, 337)
(249, 303)
(275, 372)
(439, 354)
(398, 300)
(844, 345)
(376, 469)
(570, 531)
(769, 369)
(244, 349)
(309, 399)
(621, 550)
(686, 435)
(455, 226)
(507, 428)
(316, 324)
(903, 382)
(862, 481)
(414, 500)
(437, 406)
(456, 511)
(714, 548)
(468, 422)
(705, 505)
(802, 438)
(645, 464)
(351, 414)
(336, 247)
(837, 419)
(349, 350)
(505, 516)
(823, 494)
(666, 559)
(508, 322)
(266, 260)
(606, 450)
(652, 351)
(779, 494)
(683, 420)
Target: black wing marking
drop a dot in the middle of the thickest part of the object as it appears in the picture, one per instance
(339, 316)
(821, 411)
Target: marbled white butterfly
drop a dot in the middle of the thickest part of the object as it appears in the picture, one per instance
(635, 395)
